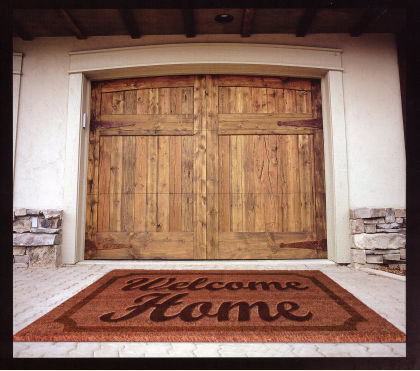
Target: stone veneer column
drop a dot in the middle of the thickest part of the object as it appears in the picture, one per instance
(37, 238)
(378, 237)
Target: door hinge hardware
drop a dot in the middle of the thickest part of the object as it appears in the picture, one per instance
(84, 120)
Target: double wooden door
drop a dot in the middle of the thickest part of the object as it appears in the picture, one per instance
(206, 167)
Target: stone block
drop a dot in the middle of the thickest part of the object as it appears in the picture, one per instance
(370, 228)
(357, 226)
(45, 230)
(399, 220)
(21, 259)
(20, 212)
(358, 256)
(32, 212)
(35, 239)
(395, 230)
(374, 220)
(374, 259)
(382, 252)
(22, 225)
(363, 212)
(367, 212)
(50, 223)
(390, 215)
(400, 213)
(387, 225)
(403, 254)
(378, 241)
(20, 265)
(392, 257)
(44, 256)
(19, 250)
(52, 213)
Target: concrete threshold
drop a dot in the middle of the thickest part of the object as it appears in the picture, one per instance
(210, 263)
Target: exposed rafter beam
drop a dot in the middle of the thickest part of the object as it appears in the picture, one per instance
(305, 22)
(74, 27)
(189, 22)
(370, 16)
(130, 23)
(21, 32)
(247, 21)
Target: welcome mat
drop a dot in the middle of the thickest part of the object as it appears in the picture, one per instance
(212, 306)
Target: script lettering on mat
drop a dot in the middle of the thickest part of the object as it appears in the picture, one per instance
(161, 302)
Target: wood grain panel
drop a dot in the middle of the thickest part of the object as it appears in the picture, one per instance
(104, 178)
(206, 167)
(151, 184)
(224, 183)
(115, 184)
(175, 184)
(128, 183)
(144, 83)
(212, 170)
(199, 169)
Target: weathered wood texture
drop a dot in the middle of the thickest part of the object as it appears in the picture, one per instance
(206, 167)
(271, 197)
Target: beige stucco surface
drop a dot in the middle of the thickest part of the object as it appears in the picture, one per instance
(374, 130)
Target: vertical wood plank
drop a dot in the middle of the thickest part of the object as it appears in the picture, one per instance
(105, 102)
(118, 103)
(199, 176)
(270, 197)
(93, 166)
(140, 184)
(212, 170)
(248, 174)
(153, 106)
(289, 100)
(305, 181)
(130, 102)
(187, 100)
(115, 184)
(224, 184)
(142, 101)
(237, 182)
(163, 184)
(176, 100)
(151, 185)
(319, 166)
(175, 177)
(260, 180)
(104, 175)
(301, 100)
(187, 182)
(294, 222)
(128, 182)
(164, 101)
(259, 100)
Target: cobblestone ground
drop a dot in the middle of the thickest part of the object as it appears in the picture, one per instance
(36, 291)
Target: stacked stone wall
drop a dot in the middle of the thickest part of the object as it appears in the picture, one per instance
(37, 237)
(378, 237)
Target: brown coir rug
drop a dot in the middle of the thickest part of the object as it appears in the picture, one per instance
(212, 306)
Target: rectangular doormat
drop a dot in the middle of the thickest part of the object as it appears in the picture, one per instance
(212, 306)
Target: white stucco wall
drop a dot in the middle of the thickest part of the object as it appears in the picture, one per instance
(375, 142)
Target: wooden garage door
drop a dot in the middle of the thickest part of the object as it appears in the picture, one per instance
(206, 167)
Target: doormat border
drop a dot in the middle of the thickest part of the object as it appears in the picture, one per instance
(299, 334)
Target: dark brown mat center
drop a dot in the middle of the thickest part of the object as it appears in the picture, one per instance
(212, 306)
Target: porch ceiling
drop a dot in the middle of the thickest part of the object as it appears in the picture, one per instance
(83, 23)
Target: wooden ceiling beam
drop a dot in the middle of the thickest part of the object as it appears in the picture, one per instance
(247, 21)
(130, 23)
(370, 16)
(189, 27)
(305, 22)
(21, 32)
(72, 24)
